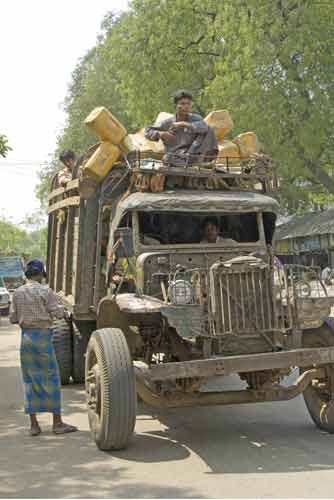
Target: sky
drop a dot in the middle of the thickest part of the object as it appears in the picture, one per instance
(41, 41)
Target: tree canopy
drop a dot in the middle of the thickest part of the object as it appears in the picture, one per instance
(18, 241)
(269, 63)
(4, 146)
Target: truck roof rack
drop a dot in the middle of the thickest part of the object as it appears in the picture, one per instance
(257, 173)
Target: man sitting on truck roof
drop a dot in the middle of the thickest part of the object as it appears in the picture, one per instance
(186, 136)
(65, 175)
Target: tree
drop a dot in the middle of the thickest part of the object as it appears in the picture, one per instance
(17, 241)
(276, 78)
(269, 63)
(4, 146)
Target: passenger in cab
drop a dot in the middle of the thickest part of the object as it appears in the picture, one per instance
(210, 232)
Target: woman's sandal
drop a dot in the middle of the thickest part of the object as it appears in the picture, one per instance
(64, 429)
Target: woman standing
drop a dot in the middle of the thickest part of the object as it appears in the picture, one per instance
(33, 307)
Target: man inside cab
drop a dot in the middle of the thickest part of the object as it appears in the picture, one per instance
(210, 232)
(186, 136)
(65, 175)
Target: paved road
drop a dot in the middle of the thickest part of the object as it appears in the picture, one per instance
(268, 450)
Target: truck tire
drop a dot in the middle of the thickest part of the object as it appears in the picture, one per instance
(110, 389)
(62, 343)
(80, 342)
(319, 400)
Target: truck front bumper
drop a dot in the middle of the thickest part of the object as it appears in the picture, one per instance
(226, 365)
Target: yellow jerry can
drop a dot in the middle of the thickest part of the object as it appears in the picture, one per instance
(101, 162)
(221, 122)
(248, 144)
(102, 123)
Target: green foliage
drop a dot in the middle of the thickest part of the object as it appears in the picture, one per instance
(17, 241)
(269, 63)
(4, 146)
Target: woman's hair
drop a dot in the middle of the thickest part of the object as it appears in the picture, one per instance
(181, 94)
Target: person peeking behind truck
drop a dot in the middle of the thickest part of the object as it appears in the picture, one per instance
(186, 136)
(68, 159)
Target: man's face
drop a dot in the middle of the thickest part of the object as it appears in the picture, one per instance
(183, 106)
(69, 163)
(211, 232)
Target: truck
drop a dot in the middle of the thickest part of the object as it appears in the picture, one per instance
(11, 277)
(156, 311)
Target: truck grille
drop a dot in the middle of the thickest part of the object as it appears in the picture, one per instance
(242, 300)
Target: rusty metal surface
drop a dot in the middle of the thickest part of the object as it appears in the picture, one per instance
(131, 303)
(188, 320)
(270, 393)
(221, 365)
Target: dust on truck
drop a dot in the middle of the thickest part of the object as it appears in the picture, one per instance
(156, 312)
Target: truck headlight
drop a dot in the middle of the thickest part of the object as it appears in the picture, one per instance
(180, 292)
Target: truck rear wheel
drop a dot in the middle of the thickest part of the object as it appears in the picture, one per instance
(82, 331)
(318, 396)
(110, 389)
(62, 343)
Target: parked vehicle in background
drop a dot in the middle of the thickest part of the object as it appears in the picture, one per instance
(4, 299)
(12, 271)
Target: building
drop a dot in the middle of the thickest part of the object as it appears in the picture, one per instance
(307, 239)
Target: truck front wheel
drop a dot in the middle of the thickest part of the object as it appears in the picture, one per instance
(319, 395)
(110, 389)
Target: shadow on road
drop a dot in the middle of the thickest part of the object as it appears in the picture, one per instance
(262, 438)
(247, 439)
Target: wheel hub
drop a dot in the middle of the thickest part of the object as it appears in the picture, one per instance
(93, 389)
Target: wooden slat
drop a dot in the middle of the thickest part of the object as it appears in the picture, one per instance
(62, 190)
(87, 253)
(73, 201)
(75, 251)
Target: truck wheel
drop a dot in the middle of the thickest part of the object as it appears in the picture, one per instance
(110, 389)
(319, 395)
(80, 342)
(62, 343)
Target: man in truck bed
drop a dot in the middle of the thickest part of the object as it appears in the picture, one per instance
(186, 136)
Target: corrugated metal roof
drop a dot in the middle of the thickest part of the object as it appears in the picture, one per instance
(311, 224)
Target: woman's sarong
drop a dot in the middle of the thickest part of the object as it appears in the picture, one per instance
(40, 372)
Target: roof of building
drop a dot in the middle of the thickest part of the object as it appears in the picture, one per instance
(310, 224)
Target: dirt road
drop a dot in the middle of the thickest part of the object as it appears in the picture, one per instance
(268, 450)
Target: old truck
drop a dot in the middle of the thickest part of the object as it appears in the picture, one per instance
(156, 311)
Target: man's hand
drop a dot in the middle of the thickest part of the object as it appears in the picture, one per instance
(180, 125)
(167, 137)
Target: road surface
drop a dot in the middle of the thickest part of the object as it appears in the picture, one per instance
(268, 450)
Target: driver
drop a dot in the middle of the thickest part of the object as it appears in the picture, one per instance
(210, 232)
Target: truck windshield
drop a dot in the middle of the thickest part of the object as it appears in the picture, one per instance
(184, 228)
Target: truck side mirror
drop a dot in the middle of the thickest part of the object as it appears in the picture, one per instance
(123, 242)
